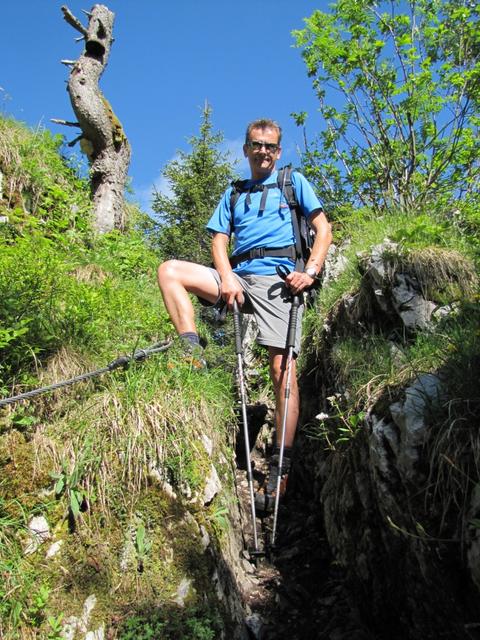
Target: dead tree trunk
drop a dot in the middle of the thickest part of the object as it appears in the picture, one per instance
(102, 137)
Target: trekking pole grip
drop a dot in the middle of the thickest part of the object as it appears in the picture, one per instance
(236, 328)
(292, 324)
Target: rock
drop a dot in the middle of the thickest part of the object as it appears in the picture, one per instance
(218, 586)
(40, 533)
(157, 475)
(183, 591)
(410, 416)
(54, 549)
(186, 491)
(408, 301)
(79, 625)
(207, 443)
(205, 537)
(189, 519)
(247, 566)
(255, 625)
(335, 262)
(99, 634)
(379, 272)
(212, 486)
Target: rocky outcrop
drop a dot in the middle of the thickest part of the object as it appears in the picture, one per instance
(394, 474)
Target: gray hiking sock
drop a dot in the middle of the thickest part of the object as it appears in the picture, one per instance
(193, 349)
(190, 338)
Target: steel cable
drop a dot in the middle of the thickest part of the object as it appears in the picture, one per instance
(122, 361)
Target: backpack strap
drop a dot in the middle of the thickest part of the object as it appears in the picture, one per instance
(240, 186)
(287, 188)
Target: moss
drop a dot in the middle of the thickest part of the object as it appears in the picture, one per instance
(90, 562)
(22, 475)
(118, 134)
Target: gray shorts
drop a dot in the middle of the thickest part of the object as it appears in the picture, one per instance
(270, 302)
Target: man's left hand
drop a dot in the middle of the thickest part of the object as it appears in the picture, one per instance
(297, 282)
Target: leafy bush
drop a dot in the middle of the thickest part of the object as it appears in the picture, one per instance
(40, 189)
(59, 298)
(191, 624)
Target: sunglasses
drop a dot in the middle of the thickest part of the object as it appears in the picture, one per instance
(256, 145)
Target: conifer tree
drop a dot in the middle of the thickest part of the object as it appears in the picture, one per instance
(197, 180)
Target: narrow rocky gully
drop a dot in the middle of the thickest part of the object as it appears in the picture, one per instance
(379, 538)
(298, 592)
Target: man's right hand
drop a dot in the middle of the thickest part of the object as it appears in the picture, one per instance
(231, 290)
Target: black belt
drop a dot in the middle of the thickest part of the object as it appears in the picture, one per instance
(264, 252)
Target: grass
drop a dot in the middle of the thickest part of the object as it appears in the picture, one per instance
(40, 190)
(104, 457)
(370, 359)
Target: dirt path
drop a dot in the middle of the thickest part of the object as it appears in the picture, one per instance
(299, 593)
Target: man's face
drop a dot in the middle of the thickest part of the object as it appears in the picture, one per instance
(262, 151)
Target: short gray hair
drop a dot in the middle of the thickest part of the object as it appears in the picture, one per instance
(263, 123)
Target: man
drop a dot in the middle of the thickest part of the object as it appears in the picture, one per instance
(263, 220)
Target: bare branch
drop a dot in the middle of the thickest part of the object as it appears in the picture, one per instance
(73, 21)
(66, 123)
(73, 142)
(68, 63)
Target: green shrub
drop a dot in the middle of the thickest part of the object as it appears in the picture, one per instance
(41, 190)
(66, 298)
(188, 624)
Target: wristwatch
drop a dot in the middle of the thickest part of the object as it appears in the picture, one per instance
(311, 271)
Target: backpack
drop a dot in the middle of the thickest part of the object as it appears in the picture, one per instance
(303, 232)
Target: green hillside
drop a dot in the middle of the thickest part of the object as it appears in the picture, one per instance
(98, 460)
(115, 473)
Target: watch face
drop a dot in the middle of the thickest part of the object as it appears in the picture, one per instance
(311, 271)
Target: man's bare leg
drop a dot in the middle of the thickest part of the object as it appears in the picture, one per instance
(278, 373)
(264, 500)
(178, 278)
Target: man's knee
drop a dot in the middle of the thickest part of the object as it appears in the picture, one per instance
(278, 361)
(168, 271)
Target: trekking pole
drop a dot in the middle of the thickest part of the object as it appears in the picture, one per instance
(243, 397)
(292, 329)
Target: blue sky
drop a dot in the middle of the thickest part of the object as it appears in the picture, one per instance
(167, 59)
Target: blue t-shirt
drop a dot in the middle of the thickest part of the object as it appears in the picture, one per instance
(271, 228)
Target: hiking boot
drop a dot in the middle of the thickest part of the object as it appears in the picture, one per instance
(193, 354)
(265, 497)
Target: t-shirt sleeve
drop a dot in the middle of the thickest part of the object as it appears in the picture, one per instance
(221, 219)
(306, 196)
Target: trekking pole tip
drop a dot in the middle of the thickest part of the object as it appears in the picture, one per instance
(256, 555)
